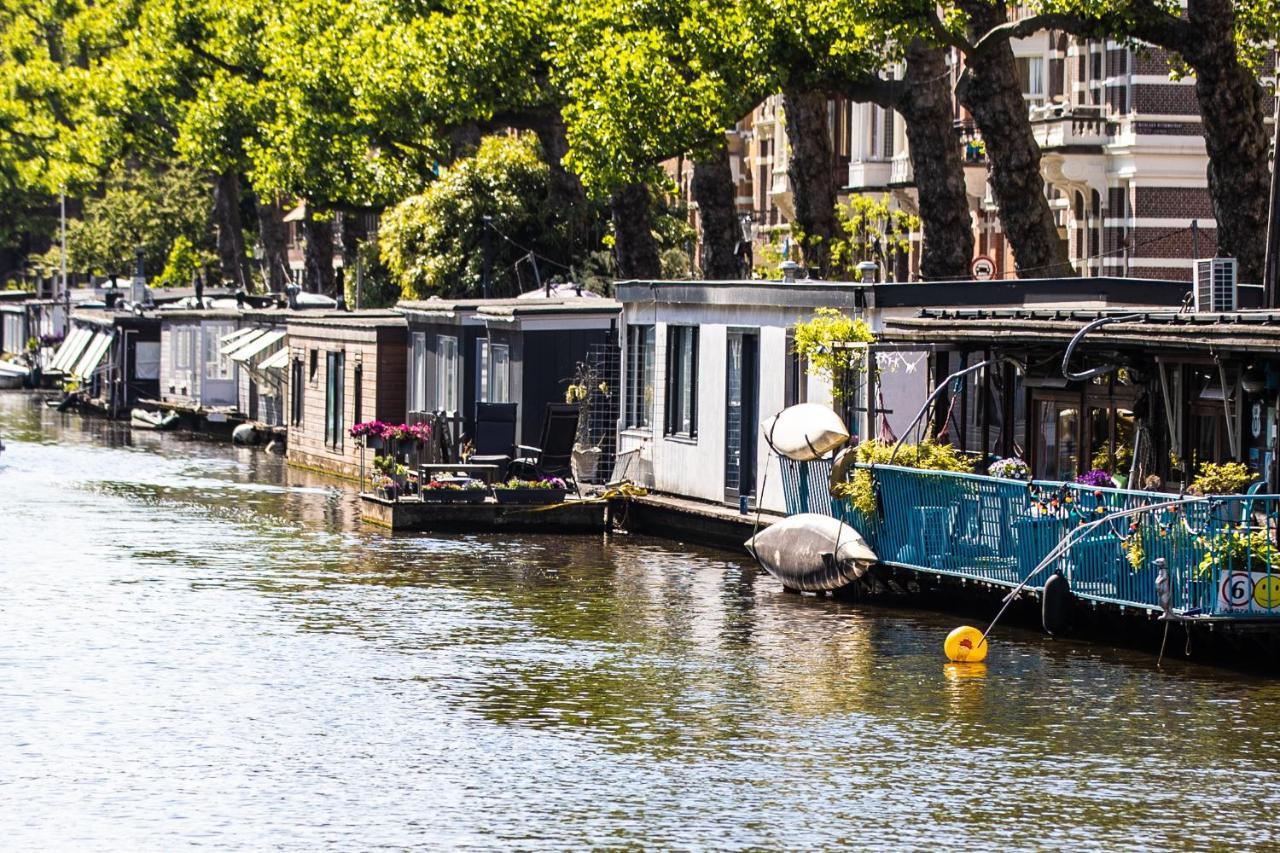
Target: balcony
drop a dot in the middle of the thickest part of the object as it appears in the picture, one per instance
(1059, 126)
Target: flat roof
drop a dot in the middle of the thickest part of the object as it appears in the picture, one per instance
(426, 309)
(810, 293)
(350, 319)
(1254, 331)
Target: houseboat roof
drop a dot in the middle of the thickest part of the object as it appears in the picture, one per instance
(444, 309)
(1256, 331)
(349, 319)
(104, 317)
(809, 293)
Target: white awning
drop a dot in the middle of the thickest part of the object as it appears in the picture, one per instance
(277, 361)
(93, 354)
(235, 336)
(257, 345)
(71, 350)
(229, 350)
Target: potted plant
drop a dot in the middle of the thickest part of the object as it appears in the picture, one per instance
(1010, 469)
(548, 490)
(448, 491)
(387, 488)
(583, 389)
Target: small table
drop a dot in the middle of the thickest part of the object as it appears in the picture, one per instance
(479, 472)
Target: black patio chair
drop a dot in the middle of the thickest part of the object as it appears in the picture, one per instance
(554, 455)
(495, 440)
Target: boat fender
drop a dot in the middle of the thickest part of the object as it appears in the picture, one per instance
(244, 434)
(965, 645)
(1056, 604)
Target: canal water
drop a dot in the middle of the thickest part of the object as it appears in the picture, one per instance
(200, 647)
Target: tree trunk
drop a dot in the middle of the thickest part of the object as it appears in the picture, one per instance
(275, 244)
(713, 190)
(812, 175)
(990, 89)
(318, 234)
(230, 229)
(937, 165)
(634, 246)
(567, 209)
(1233, 111)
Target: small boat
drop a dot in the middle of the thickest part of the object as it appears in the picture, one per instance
(143, 419)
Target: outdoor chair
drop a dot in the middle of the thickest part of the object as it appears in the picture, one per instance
(495, 436)
(554, 455)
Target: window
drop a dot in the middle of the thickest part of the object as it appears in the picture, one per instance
(682, 381)
(216, 366)
(333, 391)
(146, 360)
(1057, 444)
(447, 373)
(182, 348)
(315, 364)
(1031, 77)
(796, 377)
(358, 402)
(418, 373)
(295, 392)
(640, 359)
(492, 377)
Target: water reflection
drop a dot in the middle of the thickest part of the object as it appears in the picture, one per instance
(201, 645)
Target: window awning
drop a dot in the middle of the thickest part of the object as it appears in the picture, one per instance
(93, 354)
(237, 335)
(229, 350)
(277, 361)
(257, 345)
(71, 350)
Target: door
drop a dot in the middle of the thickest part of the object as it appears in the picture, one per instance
(741, 416)
(218, 380)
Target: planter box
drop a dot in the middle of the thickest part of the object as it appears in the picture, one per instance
(453, 496)
(529, 496)
(388, 493)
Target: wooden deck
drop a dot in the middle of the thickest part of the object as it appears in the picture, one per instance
(685, 520)
(408, 514)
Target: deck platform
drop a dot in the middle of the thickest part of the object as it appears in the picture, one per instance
(695, 522)
(408, 514)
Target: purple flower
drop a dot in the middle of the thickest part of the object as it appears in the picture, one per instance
(1096, 477)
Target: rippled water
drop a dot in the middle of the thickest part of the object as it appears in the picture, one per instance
(199, 647)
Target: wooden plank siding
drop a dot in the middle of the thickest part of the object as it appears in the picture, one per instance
(379, 347)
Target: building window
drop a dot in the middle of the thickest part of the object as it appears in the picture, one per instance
(1031, 76)
(333, 393)
(295, 392)
(357, 403)
(447, 373)
(796, 377)
(418, 373)
(315, 365)
(492, 372)
(640, 359)
(216, 365)
(682, 381)
(182, 348)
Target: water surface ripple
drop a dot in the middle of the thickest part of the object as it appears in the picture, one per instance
(202, 648)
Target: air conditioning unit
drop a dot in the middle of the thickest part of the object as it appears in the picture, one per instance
(1215, 285)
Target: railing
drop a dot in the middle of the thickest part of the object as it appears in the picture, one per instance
(1220, 552)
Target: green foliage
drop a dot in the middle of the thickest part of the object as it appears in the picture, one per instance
(1227, 478)
(185, 262)
(872, 231)
(148, 209)
(432, 243)
(377, 290)
(1238, 551)
(926, 456)
(816, 339)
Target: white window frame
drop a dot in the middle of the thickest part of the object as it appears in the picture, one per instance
(447, 373)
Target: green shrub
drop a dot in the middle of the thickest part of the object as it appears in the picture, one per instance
(1227, 478)
(816, 342)
(927, 456)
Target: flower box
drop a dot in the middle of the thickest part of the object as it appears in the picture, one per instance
(453, 496)
(388, 493)
(529, 496)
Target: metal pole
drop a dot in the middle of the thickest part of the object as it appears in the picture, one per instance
(486, 249)
(1271, 270)
(359, 277)
(62, 220)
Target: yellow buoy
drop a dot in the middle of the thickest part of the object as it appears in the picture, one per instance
(965, 645)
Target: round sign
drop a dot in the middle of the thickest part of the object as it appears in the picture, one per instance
(982, 268)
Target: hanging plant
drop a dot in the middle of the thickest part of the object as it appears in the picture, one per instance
(816, 340)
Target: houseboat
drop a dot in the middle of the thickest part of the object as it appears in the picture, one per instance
(342, 369)
(526, 350)
(110, 359)
(704, 362)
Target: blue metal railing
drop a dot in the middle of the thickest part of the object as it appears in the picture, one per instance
(1220, 552)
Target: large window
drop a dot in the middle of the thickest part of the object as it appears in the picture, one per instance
(796, 377)
(333, 392)
(1056, 437)
(447, 373)
(682, 381)
(216, 365)
(492, 376)
(640, 358)
(418, 373)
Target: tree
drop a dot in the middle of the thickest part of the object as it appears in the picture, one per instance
(433, 243)
(1225, 44)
